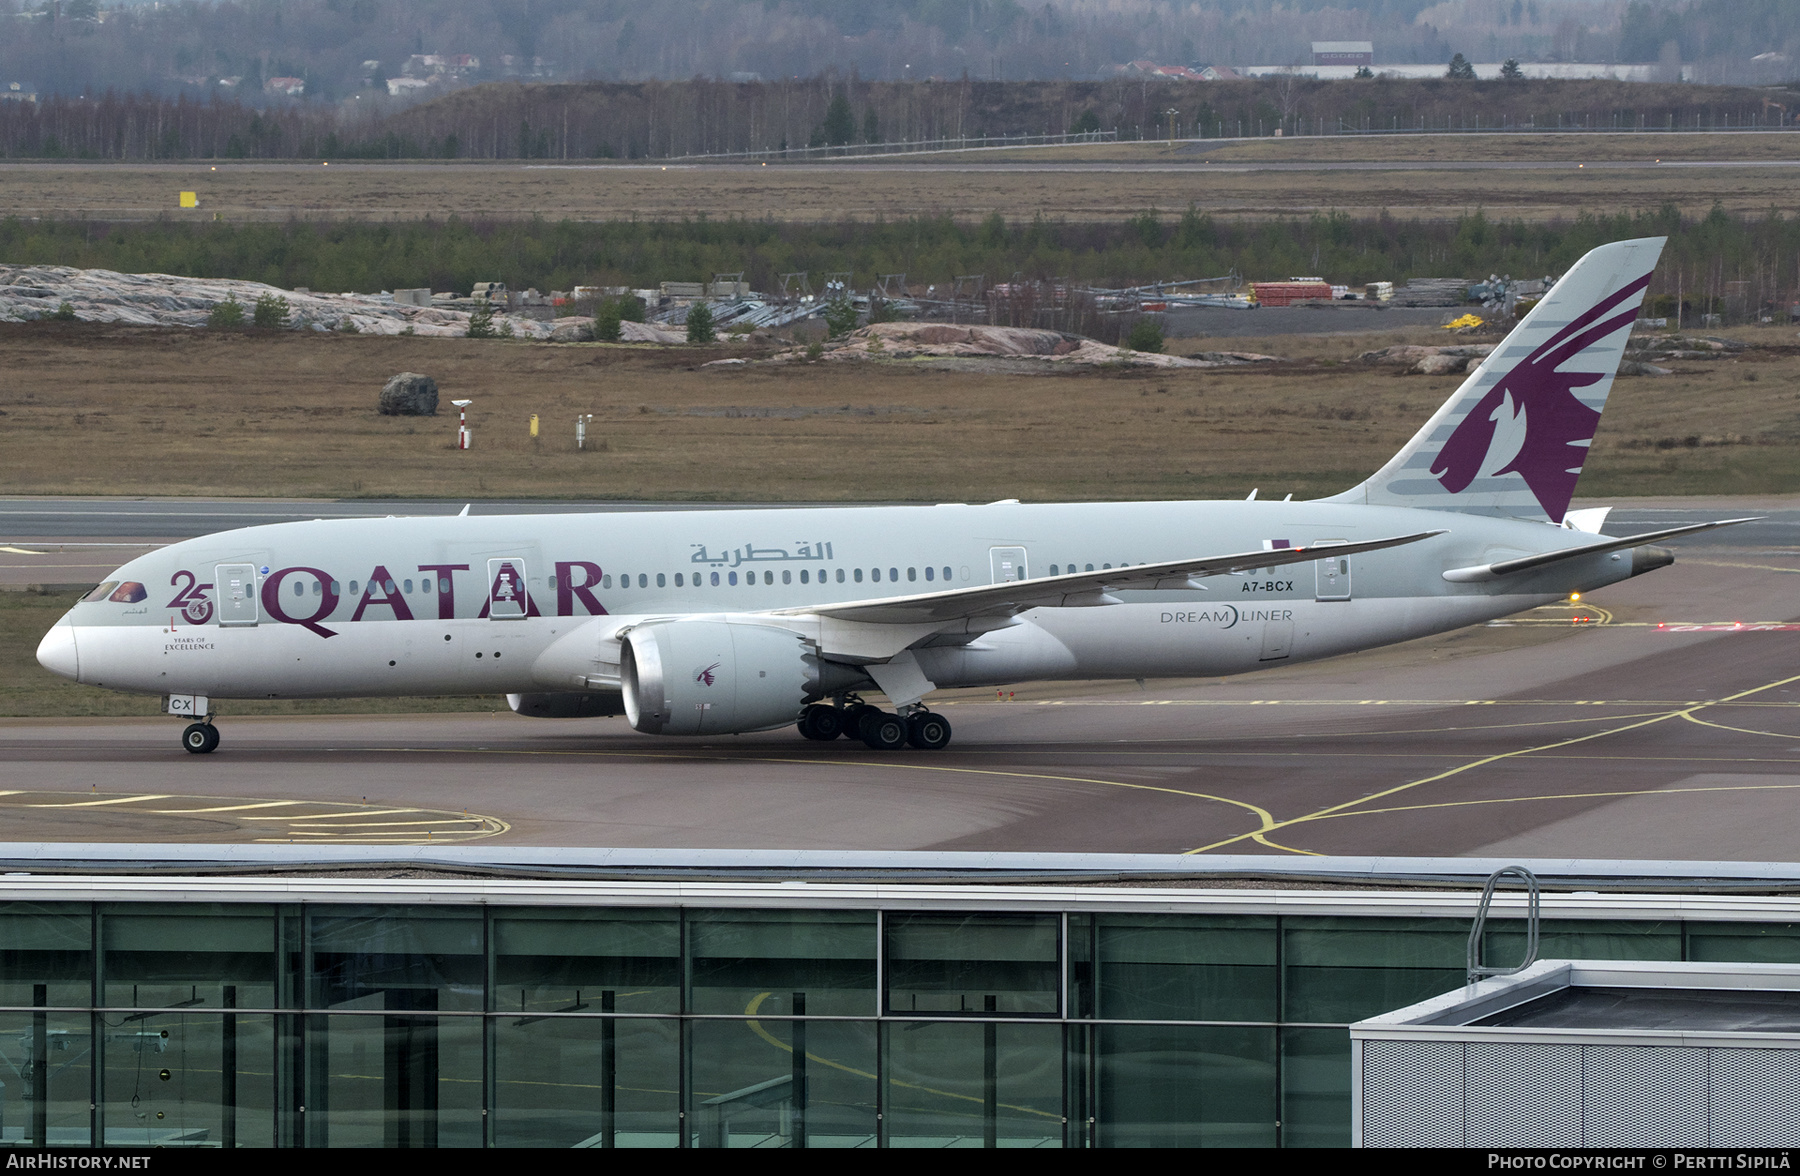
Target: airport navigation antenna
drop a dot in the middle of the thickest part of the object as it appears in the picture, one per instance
(462, 422)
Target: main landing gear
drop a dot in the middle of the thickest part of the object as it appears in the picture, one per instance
(878, 729)
(200, 738)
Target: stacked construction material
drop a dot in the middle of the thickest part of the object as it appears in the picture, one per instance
(1288, 293)
(1432, 292)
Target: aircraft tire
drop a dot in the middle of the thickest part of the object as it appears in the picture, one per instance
(821, 723)
(200, 738)
(928, 732)
(883, 732)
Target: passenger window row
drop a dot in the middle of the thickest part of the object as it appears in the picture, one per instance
(750, 578)
(387, 586)
(1071, 569)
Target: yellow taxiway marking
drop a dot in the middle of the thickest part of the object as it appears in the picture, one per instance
(95, 803)
(329, 818)
(21, 551)
(756, 1027)
(232, 808)
(1719, 563)
(1740, 730)
(1260, 835)
(1407, 808)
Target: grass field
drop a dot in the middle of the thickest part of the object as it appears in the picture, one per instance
(1087, 183)
(95, 410)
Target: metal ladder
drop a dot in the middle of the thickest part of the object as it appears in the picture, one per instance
(1479, 971)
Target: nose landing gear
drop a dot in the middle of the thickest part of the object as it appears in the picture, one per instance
(200, 738)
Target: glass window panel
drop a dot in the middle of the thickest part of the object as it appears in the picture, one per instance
(190, 955)
(553, 1077)
(755, 961)
(973, 1084)
(48, 945)
(1345, 969)
(1315, 1087)
(1582, 939)
(779, 1083)
(948, 963)
(395, 958)
(1081, 966)
(47, 1059)
(1749, 943)
(557, 960)
(1183, 967)
(191, 1080)
(1169, 1086)
(395, 1081)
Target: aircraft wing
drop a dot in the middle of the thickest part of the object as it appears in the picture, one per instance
(1480, 573)
(1077, 589)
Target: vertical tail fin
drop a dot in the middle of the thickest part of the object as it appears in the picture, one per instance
(1513, 439)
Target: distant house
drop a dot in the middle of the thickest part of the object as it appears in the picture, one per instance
(1351, 53)
(425, 65)
(285, 87)
(19, 92)
(1219, 73)
(1150, 69)
(398, 86)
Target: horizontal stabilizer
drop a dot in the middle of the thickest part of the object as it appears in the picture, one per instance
(1480, 573)
(1078, 589)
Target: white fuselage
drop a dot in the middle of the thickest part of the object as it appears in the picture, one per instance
(535, 603)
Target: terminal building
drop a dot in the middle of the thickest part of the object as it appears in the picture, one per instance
(236, 996)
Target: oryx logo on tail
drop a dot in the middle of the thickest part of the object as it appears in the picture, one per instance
(1511, 441)
(1531, 423)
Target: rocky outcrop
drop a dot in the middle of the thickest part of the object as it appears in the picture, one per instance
(1429, 361)
(409, 394)
(900, 341)
(169, 300)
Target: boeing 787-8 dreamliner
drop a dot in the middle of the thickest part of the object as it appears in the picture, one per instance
(710, 622)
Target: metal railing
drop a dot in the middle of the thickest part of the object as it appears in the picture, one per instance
(1533, 917)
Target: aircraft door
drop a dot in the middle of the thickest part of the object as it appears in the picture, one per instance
(1008, 564)
(1278, 640)
(507, 599)
(235, 590)
(1333, 574)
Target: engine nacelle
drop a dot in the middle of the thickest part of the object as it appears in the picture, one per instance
(715, 677)
(570, 704)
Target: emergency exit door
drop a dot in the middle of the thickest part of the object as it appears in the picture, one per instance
(508, 598)
(235, 590)
(1008, 564)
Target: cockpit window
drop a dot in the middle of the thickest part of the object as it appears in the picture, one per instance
(130, 592)
(100, 592)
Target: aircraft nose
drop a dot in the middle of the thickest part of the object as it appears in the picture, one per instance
(56, 652)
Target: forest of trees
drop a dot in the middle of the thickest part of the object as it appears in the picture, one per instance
(1704, 256)
(74, 47)
(589, 120)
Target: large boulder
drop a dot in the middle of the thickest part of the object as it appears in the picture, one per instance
(409, 394)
